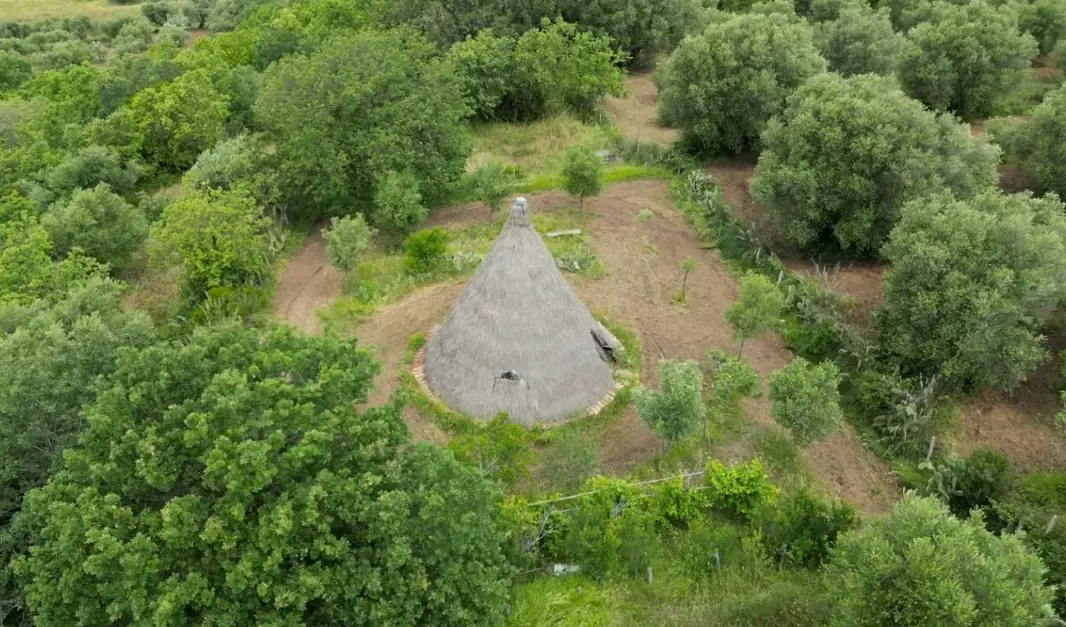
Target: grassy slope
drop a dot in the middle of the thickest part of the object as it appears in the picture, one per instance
(25, 10)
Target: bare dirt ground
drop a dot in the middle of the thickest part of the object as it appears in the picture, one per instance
(308, 283)
(637, 115)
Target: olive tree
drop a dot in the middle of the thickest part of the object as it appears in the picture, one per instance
(359, 108)
(758, 309)
(581, 172)
(860, 41)
(922, 566)
(229, 478)
(346, 240)
(91, 166)
(98, 221)
(676, 409)
(1038, 145)
(639, 28)
(1045, 20)
(972, 283)
(804, 399)
(491, 184)
(965, 58)
(722, 86)
(846, 154)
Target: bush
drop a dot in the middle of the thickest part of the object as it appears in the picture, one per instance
(804, 399)
(802, 527)
(608, 532)
(346, 240)
(966, 58)
(1045, 20)
(14, 70)
(398, 203)
(581, 172)
(732, 378)
(156, 12)
(100, 223)
(92, 166)
(676, 409)
(954, 255)
(229, 163)
(739, 490)
(572, 459)
(906, 413)
(860, 41)
(500, 450)
(722, 86)
(425, 250)
(758, 309)
(639, 28)
(967, 484)
(815, 170)
(491, 185)
(1037, 144)
(922, 566)
(492, 82)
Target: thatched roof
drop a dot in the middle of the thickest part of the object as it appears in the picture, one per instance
(518, 339)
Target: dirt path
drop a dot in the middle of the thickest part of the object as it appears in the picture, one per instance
(308, 283)
(637, 115)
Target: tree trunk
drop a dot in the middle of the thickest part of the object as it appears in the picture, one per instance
(741, 351)
(684, 281)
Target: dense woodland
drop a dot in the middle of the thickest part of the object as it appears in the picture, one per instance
(172, 456)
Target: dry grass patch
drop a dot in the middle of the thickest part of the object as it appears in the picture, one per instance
(27, 10)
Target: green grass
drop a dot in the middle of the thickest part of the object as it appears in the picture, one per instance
(572, 252)
(27, 10)
(536, 147)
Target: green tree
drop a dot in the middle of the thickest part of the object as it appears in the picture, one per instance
(230, 479)
(804, 398)
(361, 107)
(91, 166)
(923, 566)
(573, 458)
(346, 240)
(758, 309)
(99, 222)
(232, 162)
(499, 450)
(688, 265)
(220, 239)
(722, 86)
(1039, 144)
(14, 70)
(177, 121)
(803, 527)
(676, 409)
(425, 250)
(581, 172)
(640, 28)
(996, 263)
(846, 154)
(51, 354)
(1045, 20)
(491, 184)
(965, 58)
(492, 80)
(398, 203)
(860, 41)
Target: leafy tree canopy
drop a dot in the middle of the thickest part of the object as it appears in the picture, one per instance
(971, 284)
(676, 409)
(923, 566)
(100, 223)
(357, 109)
(581, 172)
(965, 58)
(846, 154)
(1045, 20)
(1039, 144)
(229, 479)
(722, 86)
(804, 399)
(860, 41)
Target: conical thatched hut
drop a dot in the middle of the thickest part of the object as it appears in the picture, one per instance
(518, 339)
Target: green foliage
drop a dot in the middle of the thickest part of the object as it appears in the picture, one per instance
(815, 171)
(802, 527)
(1045, 20)
(996, 263)
(365, 106)
(573, 457)
(241, 462)
(922, 566)
(676, 410)
(425, 250)
(156, 11)
(91, 166)
(1039, 144)
(14, 70)
(177, 121)
(500, 450)
(220, 239)
(906, 413)
(732, 378)
(346, 240)
(739, 490)
(677, 505)
(494, 85)
(758, 309)
(100, 223)
(804, 399)
(398, 203)
(639, 28)
(860, 40)
(966, 484)
(722, 86)
(491, 184)
(51, 354)
(965, 57)
(231, 162)
(608, 532)
(581, 172)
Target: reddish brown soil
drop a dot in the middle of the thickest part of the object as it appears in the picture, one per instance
(308, 283)
(637, 115)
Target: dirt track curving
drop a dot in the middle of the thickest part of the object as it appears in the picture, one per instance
(637, 115)
(308, 283)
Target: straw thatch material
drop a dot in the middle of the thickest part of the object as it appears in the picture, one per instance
(518, 339)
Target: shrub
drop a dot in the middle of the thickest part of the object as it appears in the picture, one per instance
(500, 450)
(398, 203)
(965, 58)
(814, 173)
(156, 12)
(608, 532)
(229, 163)
(491, 184)
(954, 255)
(906, 413)
(14, 70)
(346, 241)
(581, 172)
(1045, 20)
(922, 566)
(860, 41)
(722, 86)
(738, 490)
(92, 166)
(802, 527)
(758, 309)
(100, 223)
(572, 459)
(804, 398)
(676, 504)
(676, 409)
(425, 250)
(1037, 144)
(732, 378)
(967, 484)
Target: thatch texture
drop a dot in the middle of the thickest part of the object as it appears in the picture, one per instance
(518, 339)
